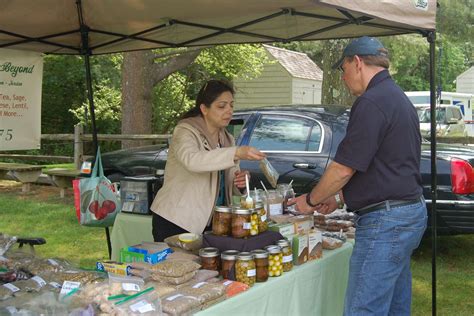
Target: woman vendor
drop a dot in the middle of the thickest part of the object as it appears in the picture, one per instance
(202, 169)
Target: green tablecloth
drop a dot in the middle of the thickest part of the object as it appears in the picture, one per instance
(128, 230)
(314, 288)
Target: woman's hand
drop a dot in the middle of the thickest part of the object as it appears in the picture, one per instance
(239, 180)
(248, 153)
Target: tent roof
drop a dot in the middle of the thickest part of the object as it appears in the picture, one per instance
(53, 26)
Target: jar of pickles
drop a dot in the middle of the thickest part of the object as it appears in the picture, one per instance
(261, 264)
(262, 221)
(245, 270)
(275, 266)
(222, 221)
(209, 258)
(228, 259)
(287, 254)
(254, 220)
(241, 223)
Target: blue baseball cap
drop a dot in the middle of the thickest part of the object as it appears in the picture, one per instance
(362, 46)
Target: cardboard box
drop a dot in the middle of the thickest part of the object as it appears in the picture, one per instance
(113, 267)
(303, 223)
(149, 252)
(286, 230)
(300, 249)
(315, 245)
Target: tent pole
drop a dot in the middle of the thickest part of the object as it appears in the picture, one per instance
(431, 39)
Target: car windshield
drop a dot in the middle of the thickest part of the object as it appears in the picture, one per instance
(424, 115)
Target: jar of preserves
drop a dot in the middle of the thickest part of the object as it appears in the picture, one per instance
(287, 254)
(209, 258)
(261, 264)
(241, 223)
(245, 270)
(274, 201)
(275, 267)
(254, 219)
(222, 221)
(228, 259)
(262, 220)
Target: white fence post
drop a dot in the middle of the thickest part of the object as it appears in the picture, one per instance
(78, 146)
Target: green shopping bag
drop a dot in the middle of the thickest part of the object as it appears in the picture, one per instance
(100, 202)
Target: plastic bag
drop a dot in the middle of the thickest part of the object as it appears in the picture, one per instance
(177, 304)
(128, 285)
(269, 171)
(100, 202)
(173, 280)
(175, 268)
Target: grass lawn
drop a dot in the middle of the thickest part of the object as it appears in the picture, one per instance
(43, 213)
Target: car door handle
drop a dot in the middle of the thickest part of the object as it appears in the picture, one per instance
(300, 165)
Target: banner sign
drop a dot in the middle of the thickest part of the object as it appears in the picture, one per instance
(21, 77)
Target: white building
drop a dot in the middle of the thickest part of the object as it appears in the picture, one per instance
(465, 81)
(290, 78)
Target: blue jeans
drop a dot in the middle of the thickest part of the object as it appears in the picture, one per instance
(379, 273)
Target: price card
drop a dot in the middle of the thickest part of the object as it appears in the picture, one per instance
(68, 286)
(39, 280)
(131, 287)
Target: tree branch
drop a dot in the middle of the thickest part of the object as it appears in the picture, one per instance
(181, 61)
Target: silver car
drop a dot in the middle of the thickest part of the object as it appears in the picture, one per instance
(449, 121)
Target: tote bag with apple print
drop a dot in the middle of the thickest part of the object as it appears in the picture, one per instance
(100, 202)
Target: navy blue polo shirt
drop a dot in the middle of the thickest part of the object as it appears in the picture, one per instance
(383, 145)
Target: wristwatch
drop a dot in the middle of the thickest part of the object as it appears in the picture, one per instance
(308, 200)
(339, 202)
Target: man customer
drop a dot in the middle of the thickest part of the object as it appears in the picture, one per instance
(376, 172)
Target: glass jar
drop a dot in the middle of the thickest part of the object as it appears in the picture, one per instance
(262, 221)
(228, 259)
(209, 258)
(287, 193)
(245, 270)
(254, 219)
(275, 267)
(261, 264)
(222, 221)
(257, 195)
(287, 254)
(274, 201)
(241, 223)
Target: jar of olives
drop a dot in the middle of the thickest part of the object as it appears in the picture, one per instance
(262, 221)
(261, 264)
(254, 219)
(209, 258)
(275, 267)
(241, 223)
(245, 270)
(228, 259)
(222, 221)
(287, 254)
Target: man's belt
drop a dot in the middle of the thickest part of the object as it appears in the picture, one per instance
(385, 204)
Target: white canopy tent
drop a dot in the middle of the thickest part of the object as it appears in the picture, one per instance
(91, 27)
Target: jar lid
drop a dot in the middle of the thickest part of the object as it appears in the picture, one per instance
(242, 211)
(260, 253)
(273, 249)
(245, 256)
(223, 209)
(283, 243)
(208, 252)
(229, 254)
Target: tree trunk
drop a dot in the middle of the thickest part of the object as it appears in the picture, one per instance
(137, 89)
(334, 90)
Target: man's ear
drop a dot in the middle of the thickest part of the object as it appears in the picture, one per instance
(358, 62)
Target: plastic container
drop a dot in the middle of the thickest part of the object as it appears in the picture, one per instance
(262, 221)
(275, 258)
(287, 193)
(228, 259)
(245, 270)
(209, 258)
(287, 254)
(222, 221)
(261, 264)
(241, 223)
(274, 201)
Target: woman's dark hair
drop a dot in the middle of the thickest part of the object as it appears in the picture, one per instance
(211, 90)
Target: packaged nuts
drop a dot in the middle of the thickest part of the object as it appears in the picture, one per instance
(222, 221)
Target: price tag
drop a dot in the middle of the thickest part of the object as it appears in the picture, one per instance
(251, 272)
(263, 218)
(247, 225)
(288, 258)
(55, 285)
(39, 280)
(11, 287)
(68, 286)
(172, 298)
(198, 285)
(131, 287)
(228, 282)
(142, 307)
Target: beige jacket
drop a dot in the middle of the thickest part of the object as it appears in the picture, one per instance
(189, 193)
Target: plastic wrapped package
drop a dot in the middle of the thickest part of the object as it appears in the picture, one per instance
(7, 290)
(201, 276)
(195, 245)
(233, 288)
(96, 293)
(175, 268)
(179, 304)
(269, 172)
(34, 284)
(127, 285)
(146, 303)
(182, 255)
(204, 291)
(160, 288)
(330, 243)
(173, 280)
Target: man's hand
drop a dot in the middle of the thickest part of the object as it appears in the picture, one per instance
(327, 206)
(239, 180)
(301, 205)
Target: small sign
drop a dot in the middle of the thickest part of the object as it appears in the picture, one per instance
(68, 286)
